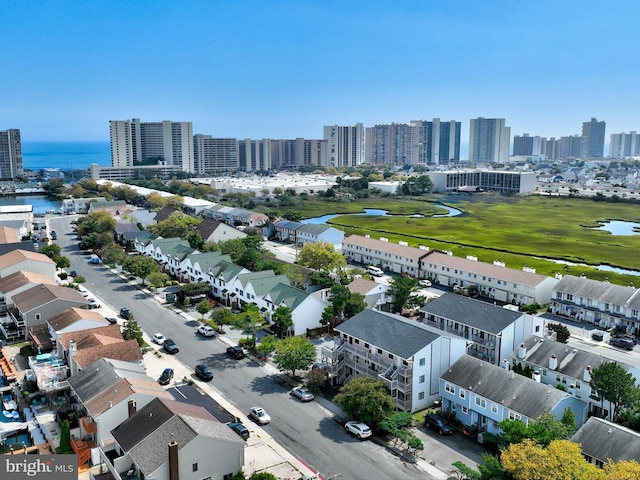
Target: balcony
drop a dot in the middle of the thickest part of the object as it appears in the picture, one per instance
(50, 372)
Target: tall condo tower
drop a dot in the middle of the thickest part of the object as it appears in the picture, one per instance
(489, 140)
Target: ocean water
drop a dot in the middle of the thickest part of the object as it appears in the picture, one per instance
(65, 155)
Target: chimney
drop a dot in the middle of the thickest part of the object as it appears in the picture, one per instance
(586, 376)
(536, 376)
(73, 348)
(505, 364)
(553, 362)
(174, 471)
(522, 351)
(132, 407)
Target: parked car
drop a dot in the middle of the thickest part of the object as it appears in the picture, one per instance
(125, 313)
(436, 423)
(170, 346)
(203, 372)
(240, 429)
(158, 338)
(165, 378)
(629, 337)
(73, 273)
(235, 352)
(622, 342)
(424, 283)
(259, 415)
(359, 429)
(302, 394)
(111, 320)
(206, 331)
(375, 271)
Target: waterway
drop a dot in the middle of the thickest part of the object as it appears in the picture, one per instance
(451, 212)
(41, 203)
(620, 227)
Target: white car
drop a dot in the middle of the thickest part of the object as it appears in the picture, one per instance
(206, 331)
(375, 271)
(159, 338)
(424, 283)
(359, 429)
(302, 394)
(259, 415)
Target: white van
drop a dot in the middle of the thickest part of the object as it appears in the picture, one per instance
(375, 271)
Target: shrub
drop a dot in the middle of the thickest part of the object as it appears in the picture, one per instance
(63, 275)
(247, 342)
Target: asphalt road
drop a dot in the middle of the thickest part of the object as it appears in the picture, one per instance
(307, 430)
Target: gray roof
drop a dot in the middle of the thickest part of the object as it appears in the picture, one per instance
(391, 333)
(288, 224)
(572, 361)
(603, 440)
(467, 311)
(122, 227)
(601, 291)
(313, 228)
(87, 382)
(515, 392)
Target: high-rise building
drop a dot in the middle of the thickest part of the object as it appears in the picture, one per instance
(392, 144)
(438, 142)
(11, 154)
(287, 154)
(527, 146)
(136, 143)
(593, 139)
(548, 148)
(254, 155)
(569, 146)
(345, 145)
(214, 154)
(489, 140)
(624, 145)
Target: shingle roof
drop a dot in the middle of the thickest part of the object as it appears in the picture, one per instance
(477, 314)
(382, 246)
(288, 224)
(86, 338)
(572, 362)
(487, 269)
(124, 350)
(207, 227)
(313, 228)
(17, 256)
(146, 434)
(42, 294)
(362, 286)
(603, 440)
(164, 213)
(391, 333)
(600, 291)
(8, 235)
(285, 294)
(515, 392)
(263, 281)
(72, 315)
(22, 278)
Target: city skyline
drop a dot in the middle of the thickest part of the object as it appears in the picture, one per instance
(285, 70)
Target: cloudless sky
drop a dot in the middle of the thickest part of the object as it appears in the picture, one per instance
(283, 69)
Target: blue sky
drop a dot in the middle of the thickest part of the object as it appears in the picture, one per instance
(283, 69)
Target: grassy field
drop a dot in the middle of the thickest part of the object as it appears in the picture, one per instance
(317, 207)
(519, 231)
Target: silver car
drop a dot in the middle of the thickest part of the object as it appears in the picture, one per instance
(302, 394)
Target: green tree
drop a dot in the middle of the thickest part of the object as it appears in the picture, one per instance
(354, 305)
(316, 378)
(366, 399)
(132, 331)
(177, 224)
(403, 290)
(623, 470)
(613, 383)
(562, 332)
(203, 308)
(267, 345)
(156, 201)
(157, 279)
(491, 468)
(54, 187)
(112, 254)
(249, 320)
(222, 316)
(282, 320)
(53, 252)
(321, 278)
(294, 353)
(543, 431)
(141, 266)
(93, 224)
(65, 439)
(321, 256)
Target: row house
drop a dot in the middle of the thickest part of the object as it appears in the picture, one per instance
(251, 287)
(79, 205)
(374, 293)
(215, 231)
(195, 266)
(555, 363)
(599, 303)
(603, 442)
(160, 248)
(221, 277)
(394, 257)
(175, 255)
(23, 260)
(481, 395)
(493, 280)
(315, 233)
(235, 216)
(406, 355)
(286, 230)
(492, 332)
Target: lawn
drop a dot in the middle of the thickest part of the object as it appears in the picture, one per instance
(317, 207)
(521, 231)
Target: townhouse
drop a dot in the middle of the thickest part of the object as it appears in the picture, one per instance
(407, 356)
(602, 442)
(374, 293)
(315, 233)
(481, 395)
(394, 257)
(286, 231)
(492, 332)
(215, 231)
(493, 280)
(22, 260)
(555, 363)
(599, 303)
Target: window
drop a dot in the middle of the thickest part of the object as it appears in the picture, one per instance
(391, 356)
(37, 316)
(514, 416)
(421, 396)
(448, 387)
(465, 410)
(481, 402)
(422, 362)
(380, 351)
(494, 408)
(421, 379)
(194, 467)
(463, 393)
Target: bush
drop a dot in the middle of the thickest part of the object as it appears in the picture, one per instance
(63, 275)
(247, 342)
(27, 351)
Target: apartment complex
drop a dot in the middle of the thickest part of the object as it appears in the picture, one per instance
(135, 143)
(624, 145)
(489, 140)
(505, 182)
(345, 145)
(593, 138)
(11, 154)
(288, 154)
(438, 141)
(214, 154)
(526, 146)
